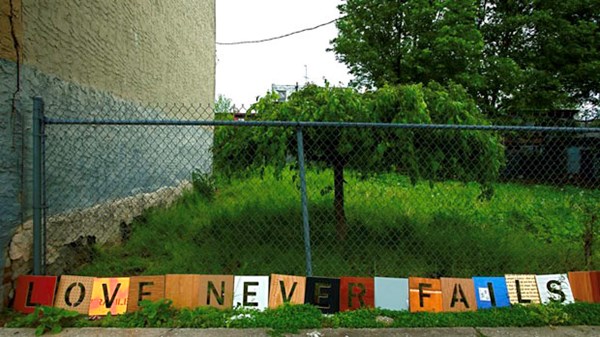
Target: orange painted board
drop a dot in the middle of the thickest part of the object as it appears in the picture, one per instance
(425, 294)
(356, 293)
(286, 289)
(216, 291)
(581, 285)
(522, 289)
(74, 293)
(109, 294)
(151, 288)
(458, 294)
(32, 291)
(595, 281)
(183, 290)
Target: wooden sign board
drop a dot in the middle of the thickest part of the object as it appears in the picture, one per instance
(183, 290)
(425, 294)
(109, 295)
(458, 294)
(581, 285)
(32, 291)
(286, 289)
(356, 293)
(74, 293)
(554, 288)
(595, 281)
(216, 291)
(251, 292)
(324, 293)
(391, 293)
(151, 288)
(522, 289)
(490, 292)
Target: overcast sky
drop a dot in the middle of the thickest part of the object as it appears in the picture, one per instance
(247, 71)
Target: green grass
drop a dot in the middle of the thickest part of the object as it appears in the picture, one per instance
(254, 226)
(291, 318)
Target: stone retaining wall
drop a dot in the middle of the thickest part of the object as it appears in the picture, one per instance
(69, 251)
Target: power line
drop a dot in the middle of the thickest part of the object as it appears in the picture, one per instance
(277, 37)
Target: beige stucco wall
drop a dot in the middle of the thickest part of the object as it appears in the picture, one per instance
(10, 8)
(159, 51)
(124, 58)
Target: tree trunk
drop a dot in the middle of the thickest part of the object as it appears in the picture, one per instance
(588, 239)
(338, 201)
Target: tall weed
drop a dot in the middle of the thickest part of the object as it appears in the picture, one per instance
(395, 228)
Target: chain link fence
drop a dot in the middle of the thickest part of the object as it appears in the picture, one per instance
(132, 190)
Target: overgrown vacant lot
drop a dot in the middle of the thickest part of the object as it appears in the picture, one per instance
(254, 226)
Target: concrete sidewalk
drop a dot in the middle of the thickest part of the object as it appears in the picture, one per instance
(575, 331)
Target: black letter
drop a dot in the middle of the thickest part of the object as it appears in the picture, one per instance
(247, 293)
(360, 295)
(108, 303)
(81, 294)
(221, 298)
(519, 298)
(29, 291)
(421, 294)
(492, 295)
(556, 290)
(282, 287)
(322, 295)
(458, 289)
(141, 292)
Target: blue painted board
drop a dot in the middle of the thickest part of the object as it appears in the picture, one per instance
(391, 293)
(491, 292)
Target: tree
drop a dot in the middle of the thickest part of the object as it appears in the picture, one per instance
(510, 55)
(223, 104)
(476, 156)
(429, 154)
(335, 147)
(406, 42)
(555, 46)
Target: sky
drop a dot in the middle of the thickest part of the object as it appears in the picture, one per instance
(247, 71)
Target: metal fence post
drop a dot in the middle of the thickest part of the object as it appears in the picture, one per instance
(304, 202)
(38, 135)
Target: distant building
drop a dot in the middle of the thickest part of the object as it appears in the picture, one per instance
(554, 157)
(284, 91)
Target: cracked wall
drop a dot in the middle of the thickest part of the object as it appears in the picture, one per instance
(92, 52)
(11, 29)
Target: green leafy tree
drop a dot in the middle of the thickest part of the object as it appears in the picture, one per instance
(334, 147)
(476, 156)
(391, 41)
(337, 148)
(554, 47)
(512, 56)
(435, 155)
(223, 104)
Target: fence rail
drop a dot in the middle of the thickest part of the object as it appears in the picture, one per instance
(327, 198)
(296, 124)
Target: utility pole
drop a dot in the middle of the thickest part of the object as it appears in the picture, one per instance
(305, 74)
